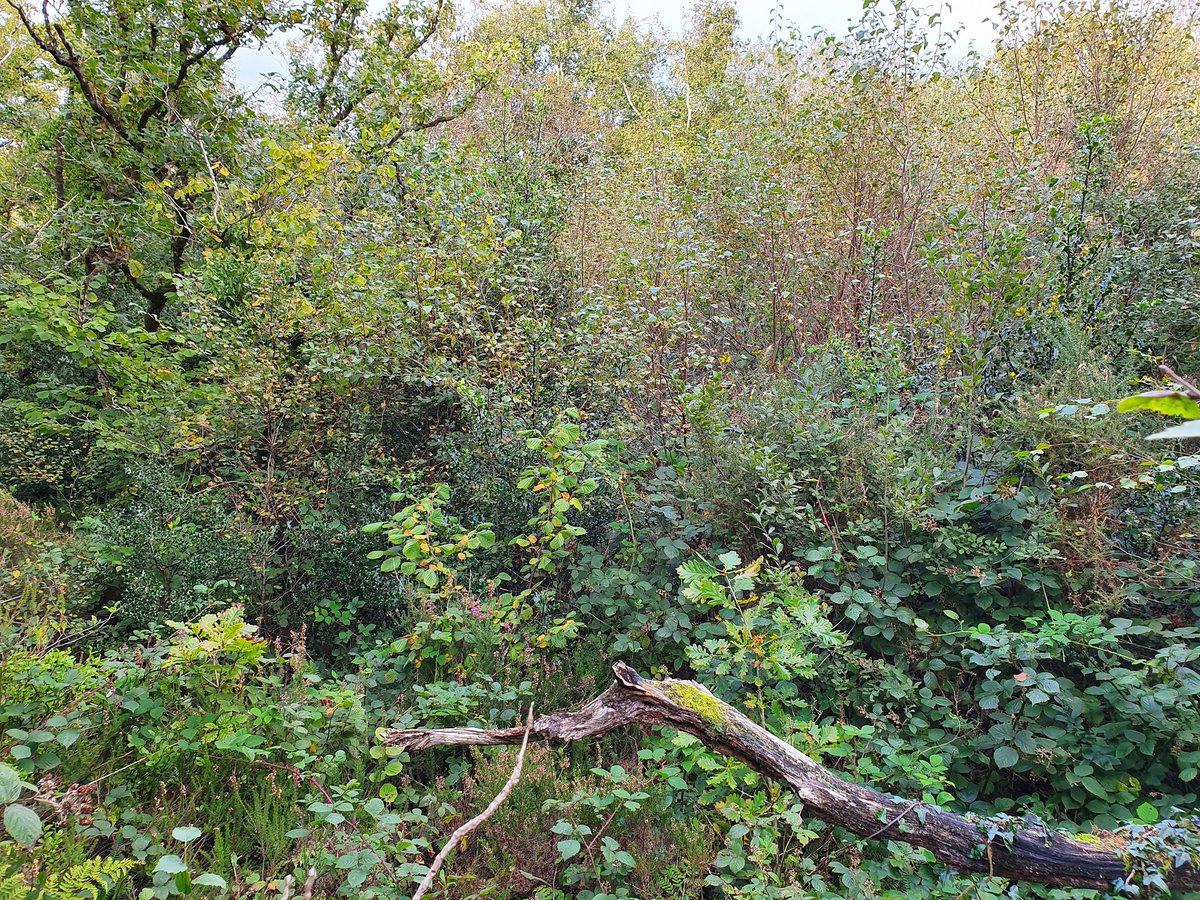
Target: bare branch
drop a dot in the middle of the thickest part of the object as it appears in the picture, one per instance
(1188, 387)
(464, 830)
(1025, 853)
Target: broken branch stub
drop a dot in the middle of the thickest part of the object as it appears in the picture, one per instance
(1026, 853)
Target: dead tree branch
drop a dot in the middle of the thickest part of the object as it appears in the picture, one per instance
(1026, 853)
(465, 829)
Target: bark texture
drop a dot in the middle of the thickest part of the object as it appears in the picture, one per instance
(1026, 853)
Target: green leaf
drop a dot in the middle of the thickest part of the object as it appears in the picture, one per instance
(171, 864)
(1005, 757)
(695, 569)
(1169, 403)
(186, 833)
(10, 784)
(22, 824)
(210, 879)
(568, 848)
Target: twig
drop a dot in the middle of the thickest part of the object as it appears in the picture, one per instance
(464, 830)
(1188, 387)
(903, 813)
(874, 834)
(629, 98)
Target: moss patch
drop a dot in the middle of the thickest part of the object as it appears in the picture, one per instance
(701, 702)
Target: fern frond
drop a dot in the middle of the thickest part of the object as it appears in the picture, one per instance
(95, 879)
(13, 886)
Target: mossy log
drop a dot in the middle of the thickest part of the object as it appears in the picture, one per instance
(1026, 852)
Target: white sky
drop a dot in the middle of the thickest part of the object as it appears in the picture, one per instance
(251, 65)
(831, 15)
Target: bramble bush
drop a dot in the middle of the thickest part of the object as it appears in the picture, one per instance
(505, 347)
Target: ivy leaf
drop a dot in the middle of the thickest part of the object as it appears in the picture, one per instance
(22, 824)
(568, 848)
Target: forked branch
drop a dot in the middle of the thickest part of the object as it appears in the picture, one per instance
(1024, 853)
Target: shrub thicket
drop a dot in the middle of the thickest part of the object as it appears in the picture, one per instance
(498, 349)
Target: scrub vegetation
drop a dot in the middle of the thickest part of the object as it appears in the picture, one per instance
(479, 349)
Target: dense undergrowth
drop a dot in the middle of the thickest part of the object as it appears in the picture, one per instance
(501, 348)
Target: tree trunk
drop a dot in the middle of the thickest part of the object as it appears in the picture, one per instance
(1018, 851)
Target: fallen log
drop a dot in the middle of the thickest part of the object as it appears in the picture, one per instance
(1008, 848)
